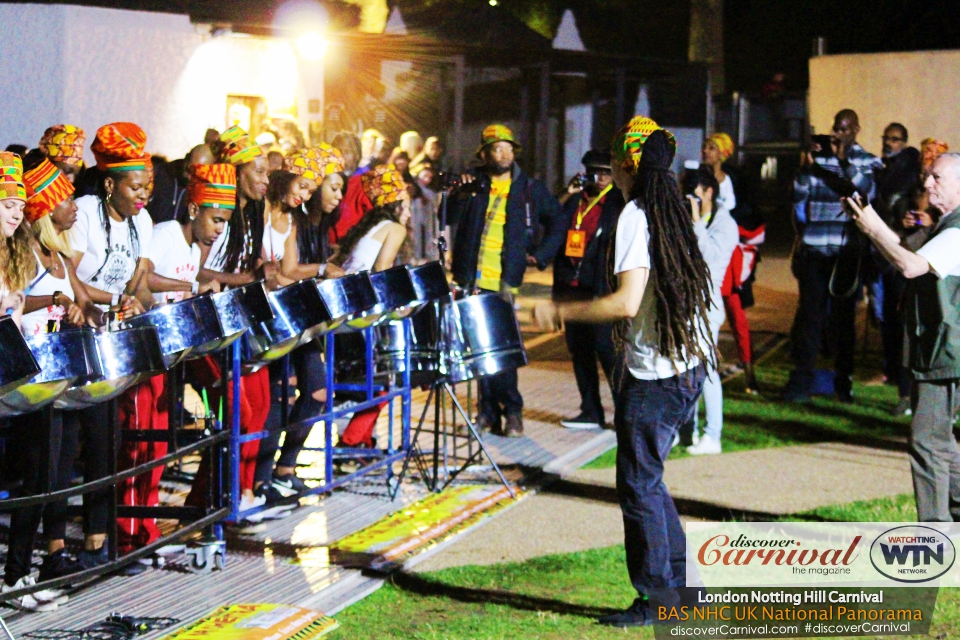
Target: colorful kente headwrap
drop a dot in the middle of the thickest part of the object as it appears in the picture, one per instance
(330, 159)
(306, 163)
(64, 143)
(931, 149)
(383, 184)
(213, 185)
(724, 144)
(627, 145)
(11, 176)
(46, 187)
(496, 133)
(237, 148)
(120, 147)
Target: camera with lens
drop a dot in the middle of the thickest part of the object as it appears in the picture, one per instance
(584, 180)
(451, 180)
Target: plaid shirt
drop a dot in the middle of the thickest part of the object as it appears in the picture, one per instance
(821, 222)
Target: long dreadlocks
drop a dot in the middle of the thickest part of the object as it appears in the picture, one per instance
(679, 276)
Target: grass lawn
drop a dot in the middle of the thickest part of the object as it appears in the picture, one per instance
(553, 597)
(752, 422)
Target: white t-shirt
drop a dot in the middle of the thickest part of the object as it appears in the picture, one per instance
(726, 198)
(109, 270)
(173, 258)
(943, 253)
(632, 252)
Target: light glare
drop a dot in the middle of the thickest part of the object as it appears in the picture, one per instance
(312, 46)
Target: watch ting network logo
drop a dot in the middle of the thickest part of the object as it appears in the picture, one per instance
(912, 554)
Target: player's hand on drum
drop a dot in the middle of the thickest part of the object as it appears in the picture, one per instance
(546, 315)
(212, 287)
(333, 271)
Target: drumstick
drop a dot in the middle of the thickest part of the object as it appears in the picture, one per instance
(26, 292)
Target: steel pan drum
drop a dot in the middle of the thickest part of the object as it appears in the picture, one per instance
(395, 292)
(481, 337)
(429, 281)
(17, 364)
(186, 328)
(352, 302)
(241, 309)
(299, 314)
(66, 358)
(127, 357)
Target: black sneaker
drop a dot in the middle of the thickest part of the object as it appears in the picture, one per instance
(288, 485)
(58, 564)
(637, 615)
(271, 495)
(582, 421)
(90, 559)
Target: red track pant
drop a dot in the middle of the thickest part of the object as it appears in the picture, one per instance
(143, 407)
(254, 407)
(737, 318)
(359, 433)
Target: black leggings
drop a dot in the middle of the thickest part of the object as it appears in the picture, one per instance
(48, 466)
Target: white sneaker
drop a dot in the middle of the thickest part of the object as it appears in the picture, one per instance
(706, 446)
(31, 602)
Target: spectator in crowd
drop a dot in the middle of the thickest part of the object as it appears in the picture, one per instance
(423, 220)
(504, 204)
(411, 143)
(432, 153)
(717, 237)
(275, 160)
(349, 146)
(933, 322)
(895, 181)
(591, 207)
(737, 287)
(827, 254)
(169, 198)
(373, 147)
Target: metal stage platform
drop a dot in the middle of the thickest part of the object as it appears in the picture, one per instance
(288, 562)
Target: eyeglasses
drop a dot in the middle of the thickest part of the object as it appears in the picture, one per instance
(891, 139)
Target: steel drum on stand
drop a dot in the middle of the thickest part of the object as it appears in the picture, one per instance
(429, 281)
(395, 292)
(480, 337)
(17, 364)
(352, 302)
(66, 358)
(240, 309)
(186, 328)
(300, 314)
(127, 357)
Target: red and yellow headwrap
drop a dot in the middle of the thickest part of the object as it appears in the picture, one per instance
(724, 144)
(120, 147)
(329, 158)
(383, 184)
(64, 143)
(306, 163)
(237, 148)
(11, 176)
(47, 187)
(213, 185)
(931, 149)
(627, 145)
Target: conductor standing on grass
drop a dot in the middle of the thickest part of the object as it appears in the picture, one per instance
(932, 317)
(660, 300)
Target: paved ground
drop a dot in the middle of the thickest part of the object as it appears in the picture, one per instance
(580, 510)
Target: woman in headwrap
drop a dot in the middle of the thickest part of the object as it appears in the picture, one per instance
(63, 146)
(289, 188)
(372, 245)
(930, 150)
(16, 261)
(737, 289)
(58, 297)
(660, 301)
(305, 254)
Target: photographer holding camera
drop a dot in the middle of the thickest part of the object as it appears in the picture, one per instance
(827, 253)
(591, 207)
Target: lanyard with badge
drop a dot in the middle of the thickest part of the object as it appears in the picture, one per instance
(576, 237)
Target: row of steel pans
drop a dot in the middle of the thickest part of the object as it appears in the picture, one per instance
(77, 368)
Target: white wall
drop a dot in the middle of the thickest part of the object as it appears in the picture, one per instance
(90, 66)
(917, 89)
(31, 47)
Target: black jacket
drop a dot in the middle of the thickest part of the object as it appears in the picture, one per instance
(591, 272)
(899, 175)
(528, 203)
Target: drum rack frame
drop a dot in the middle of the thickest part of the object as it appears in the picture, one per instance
(375, 394)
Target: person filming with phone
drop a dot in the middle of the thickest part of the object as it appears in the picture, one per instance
(827, 253)
(933, 332)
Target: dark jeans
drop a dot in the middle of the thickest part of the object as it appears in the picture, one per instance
(587, 343)
(308, 366)
(649, 414)
(500, 395)
(892, 332)
(813, 271)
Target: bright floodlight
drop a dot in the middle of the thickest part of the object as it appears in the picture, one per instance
(312, 46)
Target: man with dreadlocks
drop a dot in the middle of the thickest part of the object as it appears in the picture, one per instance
(663, 341)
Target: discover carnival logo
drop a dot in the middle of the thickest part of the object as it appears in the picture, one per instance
(912, 554)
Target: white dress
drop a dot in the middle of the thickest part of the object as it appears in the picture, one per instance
(364, 255)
